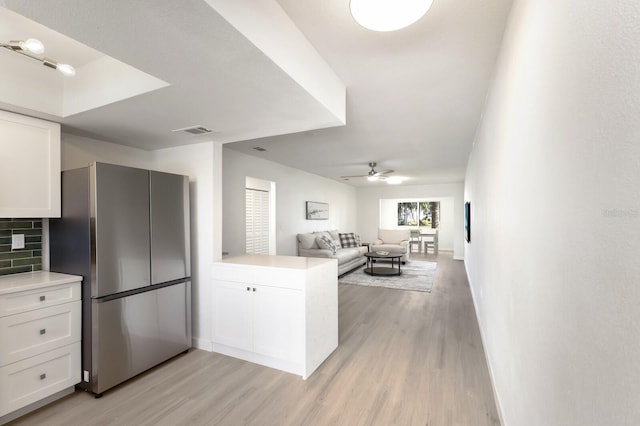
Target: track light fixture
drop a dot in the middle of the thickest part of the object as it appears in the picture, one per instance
(31, 47)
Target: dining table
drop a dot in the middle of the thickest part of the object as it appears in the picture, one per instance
(429, 237)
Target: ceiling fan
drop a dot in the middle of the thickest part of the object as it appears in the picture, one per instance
(373, 174)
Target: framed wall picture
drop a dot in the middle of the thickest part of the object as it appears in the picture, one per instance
(467, 221)
(317, 211)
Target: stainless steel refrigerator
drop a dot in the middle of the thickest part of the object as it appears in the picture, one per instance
(126, 231)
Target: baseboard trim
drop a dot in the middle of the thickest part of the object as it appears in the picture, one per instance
(267, 361)
(204, 344)
(496, 395)
(35, 405)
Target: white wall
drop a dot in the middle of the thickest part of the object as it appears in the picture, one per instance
(389, 217)
(369, 219)
(555, 238)
(293, 188)
(79, 151)
(202, 163)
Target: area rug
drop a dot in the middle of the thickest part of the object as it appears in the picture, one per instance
(416, 276)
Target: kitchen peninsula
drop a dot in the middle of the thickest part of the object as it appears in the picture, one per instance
(277, 311)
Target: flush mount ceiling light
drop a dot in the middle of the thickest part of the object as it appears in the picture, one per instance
(388, 15)
(31, 46)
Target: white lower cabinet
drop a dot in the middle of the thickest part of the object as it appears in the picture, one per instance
(34, 332)
(278, 323)
(278, 311)
(233, 316)
(261, 319)
(40, 333)
(32, 379)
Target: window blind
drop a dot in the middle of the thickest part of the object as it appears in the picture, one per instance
(257, 221)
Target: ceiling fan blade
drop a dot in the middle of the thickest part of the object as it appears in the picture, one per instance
(372, 173)
(384, 172)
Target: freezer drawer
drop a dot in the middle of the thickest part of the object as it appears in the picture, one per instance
(135, 333)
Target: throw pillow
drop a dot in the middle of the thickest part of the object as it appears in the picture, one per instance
(349, 240)
(335, 236)
(307, 241)
(326, 243)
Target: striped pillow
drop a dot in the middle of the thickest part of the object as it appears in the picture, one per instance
(326, 243)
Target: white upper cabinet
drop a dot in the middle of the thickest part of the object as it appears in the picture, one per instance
(30, 170)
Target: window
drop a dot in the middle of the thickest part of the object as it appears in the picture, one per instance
(422, 213)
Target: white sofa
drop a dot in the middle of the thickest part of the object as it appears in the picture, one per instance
(348, 257)
(395, 241)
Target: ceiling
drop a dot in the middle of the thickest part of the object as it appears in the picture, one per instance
(413, 97)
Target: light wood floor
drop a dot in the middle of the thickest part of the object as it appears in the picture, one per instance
(405, 358)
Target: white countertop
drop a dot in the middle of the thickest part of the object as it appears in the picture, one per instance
(34, 280)
(287, 262)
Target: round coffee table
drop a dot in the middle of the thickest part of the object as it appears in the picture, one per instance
(382, 270)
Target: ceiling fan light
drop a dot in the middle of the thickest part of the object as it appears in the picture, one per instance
(372, 178)
(394, 180)
(388, 15)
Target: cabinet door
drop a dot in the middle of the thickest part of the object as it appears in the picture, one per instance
(31, 162)
(232, 311)
(278, 323)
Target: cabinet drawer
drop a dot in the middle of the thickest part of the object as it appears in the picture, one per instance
(24, 382)
(34, 332)
(24, 301)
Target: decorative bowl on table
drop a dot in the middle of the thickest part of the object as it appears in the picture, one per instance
(382, 253)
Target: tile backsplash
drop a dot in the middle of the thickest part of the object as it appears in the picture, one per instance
(21, 260)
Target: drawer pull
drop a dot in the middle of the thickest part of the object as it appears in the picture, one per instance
(43, 331)
(42, 298)
(254, 289)
(248, 288)
(43, 376)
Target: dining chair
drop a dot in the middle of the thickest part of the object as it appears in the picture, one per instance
(415, 239)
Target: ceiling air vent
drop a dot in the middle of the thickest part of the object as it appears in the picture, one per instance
(195, 130)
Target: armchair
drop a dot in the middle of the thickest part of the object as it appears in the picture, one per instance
(393, 241)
